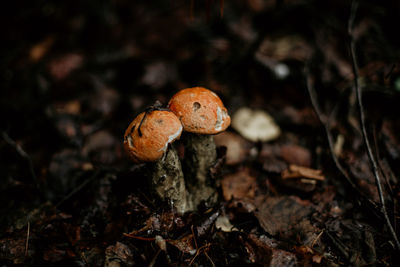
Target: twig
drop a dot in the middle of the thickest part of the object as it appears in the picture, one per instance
(27, 239)
(153, 261)
(204, 247)
(77, 189)
(209, 258)
(325, 122)
(194, 237)
(381, 167)
(24, 155)
(371, 156)
(339, 245)
(139, 237)
(316, 239)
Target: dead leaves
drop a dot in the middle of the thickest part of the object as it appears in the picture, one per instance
(185, 244)
(295, 171)
(262, 249)
(280, 215)
(238, 185)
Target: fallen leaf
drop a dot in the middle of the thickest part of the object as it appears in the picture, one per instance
(278, 215)
(185, 244)
(119, 253)
(297, 155)
(13, 249)
(295, 171)
(238, 185)
(264, 251)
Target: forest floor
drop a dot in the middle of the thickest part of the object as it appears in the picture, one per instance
(73, 76)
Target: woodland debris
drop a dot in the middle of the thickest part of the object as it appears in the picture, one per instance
(238, 185)
(224, 224)
(295, 171)
(295, 154)
(280, 215)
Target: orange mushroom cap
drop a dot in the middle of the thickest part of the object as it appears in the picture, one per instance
(158, 129)
(200, 111)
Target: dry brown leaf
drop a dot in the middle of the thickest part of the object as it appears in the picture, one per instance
(280, 215)
(185, 244)
(238, 185)
(263, 251)
(295, 154)
(295, 171)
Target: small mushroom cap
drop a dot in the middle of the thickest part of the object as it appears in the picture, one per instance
(200, 111)
(159, 128)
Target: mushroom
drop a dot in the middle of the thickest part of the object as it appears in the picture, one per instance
(148, 139)
(202, 114)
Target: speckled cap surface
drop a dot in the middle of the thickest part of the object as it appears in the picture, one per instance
(200, 111)
(158, 129)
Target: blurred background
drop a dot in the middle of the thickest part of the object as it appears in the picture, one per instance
(73, 74)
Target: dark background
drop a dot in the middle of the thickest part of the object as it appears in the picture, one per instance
(73, 74)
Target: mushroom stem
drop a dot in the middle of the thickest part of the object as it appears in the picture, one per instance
(200, 156)
(168, 182)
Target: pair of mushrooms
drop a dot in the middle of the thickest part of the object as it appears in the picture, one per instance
(200, 113)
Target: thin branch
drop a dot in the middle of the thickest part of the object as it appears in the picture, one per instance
(338, 244)
(209, 258)
(362, 120)
(24, 155)
(28, 231)
(381, 167)
(78, 188)
(153, 261)
(139, 237)
(325, 122)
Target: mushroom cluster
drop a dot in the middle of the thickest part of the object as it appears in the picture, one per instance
(200, 113)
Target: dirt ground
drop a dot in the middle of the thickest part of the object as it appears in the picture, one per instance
(324, 191)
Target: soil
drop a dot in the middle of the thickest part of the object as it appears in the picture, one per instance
(74, 75)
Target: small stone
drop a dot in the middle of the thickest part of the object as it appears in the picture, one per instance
(255, 125)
